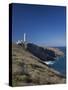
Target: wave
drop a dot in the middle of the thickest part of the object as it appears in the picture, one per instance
(49, 62)
(52, 62)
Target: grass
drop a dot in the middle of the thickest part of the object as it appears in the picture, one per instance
(27, 70)
(25, 78)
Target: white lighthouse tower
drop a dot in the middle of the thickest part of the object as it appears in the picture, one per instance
(25, 44)
(24, 37)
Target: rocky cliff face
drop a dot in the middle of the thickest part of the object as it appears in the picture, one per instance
(45, 54)
(27, 69)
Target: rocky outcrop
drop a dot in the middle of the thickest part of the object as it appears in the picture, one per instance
(57, 51)
(45, 54)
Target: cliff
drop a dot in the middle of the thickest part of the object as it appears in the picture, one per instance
(46, 54)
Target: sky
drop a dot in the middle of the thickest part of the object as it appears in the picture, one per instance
(43, 25)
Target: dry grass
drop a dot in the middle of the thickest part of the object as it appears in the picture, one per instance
(27, 70)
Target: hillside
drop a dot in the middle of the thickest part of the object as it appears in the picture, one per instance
(28, 69)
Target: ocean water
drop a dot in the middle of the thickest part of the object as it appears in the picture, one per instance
(60, 63)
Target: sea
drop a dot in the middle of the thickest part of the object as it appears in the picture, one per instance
(60, 63)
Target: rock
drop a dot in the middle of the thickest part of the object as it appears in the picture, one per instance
(45, 54)
(57, 51)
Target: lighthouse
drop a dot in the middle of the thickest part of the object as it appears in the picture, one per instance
(24, 37)
(25, 44)
(22, 42)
